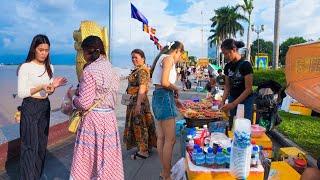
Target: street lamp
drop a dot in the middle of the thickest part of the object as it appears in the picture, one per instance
(258, 30)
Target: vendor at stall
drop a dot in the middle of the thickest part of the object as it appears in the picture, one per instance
(238, 80)
(211, 85)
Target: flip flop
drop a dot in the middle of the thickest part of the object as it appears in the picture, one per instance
(136, 156)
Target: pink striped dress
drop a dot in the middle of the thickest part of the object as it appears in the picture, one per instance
(97, 151)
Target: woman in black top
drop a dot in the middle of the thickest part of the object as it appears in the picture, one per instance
(238, 79)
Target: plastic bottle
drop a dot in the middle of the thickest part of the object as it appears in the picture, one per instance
(227, 158)
(190, 143)
(255, 156)
(205, 131)
(210, 157)
(194, 152)
(200, 157)
(240, 156)
(219, 159)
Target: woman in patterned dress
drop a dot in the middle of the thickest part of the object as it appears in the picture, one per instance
(139, 128)
(97, 151)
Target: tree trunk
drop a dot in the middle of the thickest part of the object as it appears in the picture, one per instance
(276, 35)
(248, 39)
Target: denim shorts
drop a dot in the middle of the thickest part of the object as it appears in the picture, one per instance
(163, 104)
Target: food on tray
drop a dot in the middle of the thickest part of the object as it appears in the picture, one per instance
(197, 105)
(199, 110)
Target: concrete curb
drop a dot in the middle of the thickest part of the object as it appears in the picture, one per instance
(284, 141)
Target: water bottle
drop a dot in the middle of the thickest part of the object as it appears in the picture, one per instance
(240, 156)
(227, 157)
(200, 158)
(190, 143)
(205, 132)
(195, 152)
(210, 157)
(219, 159)
(255, 156)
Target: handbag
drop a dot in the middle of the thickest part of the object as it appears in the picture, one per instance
(76, 117)
(127, 99)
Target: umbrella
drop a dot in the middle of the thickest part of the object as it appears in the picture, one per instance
(303, 74)
(213, 69)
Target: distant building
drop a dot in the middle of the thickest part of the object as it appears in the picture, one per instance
(212, 51)
(203, 62)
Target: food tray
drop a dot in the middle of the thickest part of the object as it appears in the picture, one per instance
(194, 122)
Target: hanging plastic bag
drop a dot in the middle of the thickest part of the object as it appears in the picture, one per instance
(178, 170)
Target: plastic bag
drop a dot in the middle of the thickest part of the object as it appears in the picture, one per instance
(178, 170)
(66, 106)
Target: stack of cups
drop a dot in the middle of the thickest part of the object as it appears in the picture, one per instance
(239, 114)
(240, 156)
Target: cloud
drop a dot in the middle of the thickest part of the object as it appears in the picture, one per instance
(21, 20)
(6, 42)
(297, 18)
(56, 18)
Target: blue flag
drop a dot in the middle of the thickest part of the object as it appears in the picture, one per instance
(138, 15)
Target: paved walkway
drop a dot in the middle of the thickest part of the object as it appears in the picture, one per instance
(59, 158)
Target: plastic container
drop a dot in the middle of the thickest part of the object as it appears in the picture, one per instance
(219, 159)
(190, 143)
(210, 157)
(257, 131)
(241, 148)
(205, 132)
(227, 158)
(255, 156)
(195, 152)
(200, 157)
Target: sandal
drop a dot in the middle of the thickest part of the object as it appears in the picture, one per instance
(162, 177)
(136, 156)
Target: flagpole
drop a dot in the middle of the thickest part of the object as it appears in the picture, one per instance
(130, 24)
(110, 29)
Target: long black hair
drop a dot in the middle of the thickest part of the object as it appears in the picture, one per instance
(230, 44)
(36, 41)
(166, 50)
(94, 46)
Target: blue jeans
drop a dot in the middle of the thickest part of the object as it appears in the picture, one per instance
(163, 104)
(248, 107)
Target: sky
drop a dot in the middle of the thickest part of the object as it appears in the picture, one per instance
(173, 19)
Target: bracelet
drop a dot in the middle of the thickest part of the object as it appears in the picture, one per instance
(73, 97)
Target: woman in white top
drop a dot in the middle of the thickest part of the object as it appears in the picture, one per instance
(164, 98)
(35, 83)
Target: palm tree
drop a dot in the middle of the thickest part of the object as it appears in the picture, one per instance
(247, 7)
(225, 24)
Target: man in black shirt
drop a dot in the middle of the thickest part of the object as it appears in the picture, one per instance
(238, 80)
(220, 79)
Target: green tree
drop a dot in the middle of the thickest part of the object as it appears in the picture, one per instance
(247, 7)
(193, 60)
(226, 23)
(284, 47)
(264, 47)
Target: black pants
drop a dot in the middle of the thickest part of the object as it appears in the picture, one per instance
(34, 130)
